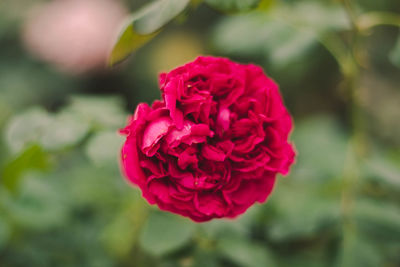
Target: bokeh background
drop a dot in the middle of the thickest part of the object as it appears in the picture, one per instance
(63, 201)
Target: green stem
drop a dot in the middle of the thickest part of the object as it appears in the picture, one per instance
(356, 144)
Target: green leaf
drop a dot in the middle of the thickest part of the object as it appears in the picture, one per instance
(128, 42)
(52, 132)
(291, 47)
(245, 253)
(27, 128)
(157, 14)
(395, 53)
(304, 218)
(382, 170)
(64, 130)
(104, 148)
(317, 16)
(378, 216)
(33, 158)
(236, 34)
(165, 232)
(284, 34)
(98, 112)
(144, 25)
(233, 5)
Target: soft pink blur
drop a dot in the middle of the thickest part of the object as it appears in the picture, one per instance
(74, 35)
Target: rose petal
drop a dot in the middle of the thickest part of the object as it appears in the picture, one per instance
(153, 133)
(210, 204)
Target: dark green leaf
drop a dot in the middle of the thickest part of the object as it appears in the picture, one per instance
(144, 25)
(128, 42)
(233, 5)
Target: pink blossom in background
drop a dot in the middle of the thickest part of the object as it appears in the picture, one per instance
(214, 144)
(74, 35)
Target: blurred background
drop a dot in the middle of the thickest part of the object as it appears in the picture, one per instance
(63, 201)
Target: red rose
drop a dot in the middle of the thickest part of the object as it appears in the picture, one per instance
(213, 145)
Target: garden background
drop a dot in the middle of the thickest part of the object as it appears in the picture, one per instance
(63, 201)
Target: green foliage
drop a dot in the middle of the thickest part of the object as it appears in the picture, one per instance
(64, 201)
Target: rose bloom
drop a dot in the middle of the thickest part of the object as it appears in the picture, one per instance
(214, 144)
(74, 35)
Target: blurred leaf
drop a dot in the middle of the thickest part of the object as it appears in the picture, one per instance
(233, 5)
(157, 14)
(383, 171)
(99, 112)
(38, 205)
(128, 42)
(216, 228)
(284, 34)
(291, 48)
(165, 232)
(33, 158)
(395, 53)
(205, 258)
(299, 215)
(358, 252)
(104, 148)
(236, 34)
(317, 16)
(64, 130)
(143, 26)
(5, 233)
(382, 216)
(27, 128)
(237, 227)
(245, 253)
(52, 132)
(322, 146)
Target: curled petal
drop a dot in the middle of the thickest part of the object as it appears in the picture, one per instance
(153, 133)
